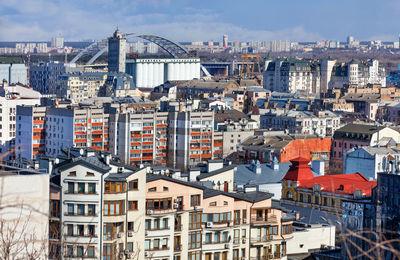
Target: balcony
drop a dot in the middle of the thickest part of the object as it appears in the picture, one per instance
(261, 240)
(178, 228)
(265, 220)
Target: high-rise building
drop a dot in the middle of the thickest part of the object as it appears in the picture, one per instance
(116, 52)
(16, 72)
(57, 42)
(225, 41)
(12, 96)
(31, 135)
(43, 76)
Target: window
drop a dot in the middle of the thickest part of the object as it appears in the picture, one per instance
(92, 188)
(129, 246)
(113, 207)
(243, 233)
(90, 251)
(194, 239)
(70, 230)
(72, 174)
(81, 209)
(108, 252)
(208, 238)
(70, 251)
(130, 226)
(286, 229)
(108, 231)
(195, 220)
(71, 187)
(147, 224)
(244, 215)
(147, 244)
(132, 205)
(165, 188)
(80, 229)
(237, 217)
(217, 236)
(70, 209)
(133, 185)
(89, 174)
(214, 203)
(91, 230)
(156, 243)
(164, 243)
(195, 255)
(154, 189)
(165, 223)
(81, 187)
(194, 200)
(224, 237)
(91, 210)
(159, 204)
(156, 224)
(114, 187)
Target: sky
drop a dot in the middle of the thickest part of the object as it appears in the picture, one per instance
(204, 20)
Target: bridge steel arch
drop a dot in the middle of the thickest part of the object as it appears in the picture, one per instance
(99, 47)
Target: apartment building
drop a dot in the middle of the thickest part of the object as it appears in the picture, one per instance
(292, 75)
(357, 135)
(102, 206)
(321, 123)
(190, 138)
(110, 210)
(30, 136)
(140, 137)
(79, 87)
(189, 221)
(76, 126)
(12, 96)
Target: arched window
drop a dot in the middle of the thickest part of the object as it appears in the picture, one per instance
(289, 195)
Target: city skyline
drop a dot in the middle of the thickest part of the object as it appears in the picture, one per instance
(191, 21)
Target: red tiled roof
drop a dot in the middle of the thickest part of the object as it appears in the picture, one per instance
(299, 171)
(341, 183)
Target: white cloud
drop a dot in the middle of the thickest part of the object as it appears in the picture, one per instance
(43, 19)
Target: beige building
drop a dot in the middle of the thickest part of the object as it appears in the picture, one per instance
(79, 87)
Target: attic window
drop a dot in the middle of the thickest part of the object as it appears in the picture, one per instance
(89, 174)
(72, 174)
(225, 203)
(214, 203)
(165, 188)
(341, 187)
(154, 189)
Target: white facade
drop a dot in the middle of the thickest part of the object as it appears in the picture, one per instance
(14, 73)
(12, 97)
(149, 73)
(24, 206)
(311, 237)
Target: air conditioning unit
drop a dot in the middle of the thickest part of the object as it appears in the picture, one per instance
(146, 233)
(119, 235)
(129, 256)
(209, 224)
(271, 237)
(245, 221)
(146, 253)
(176, 206)
(130, 233)
(176, 200)
(120, 169)
(244, 240)
(226, 246)
(126, 252)
(196, 207)
(121, 255)
(149, 211)
(271, 256)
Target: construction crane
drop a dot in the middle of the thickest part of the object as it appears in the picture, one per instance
(252, 64)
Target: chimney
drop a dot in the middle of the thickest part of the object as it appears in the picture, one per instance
(257, 167)
(5, 83)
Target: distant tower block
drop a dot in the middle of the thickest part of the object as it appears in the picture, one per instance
(116, 52)
(225, 41)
